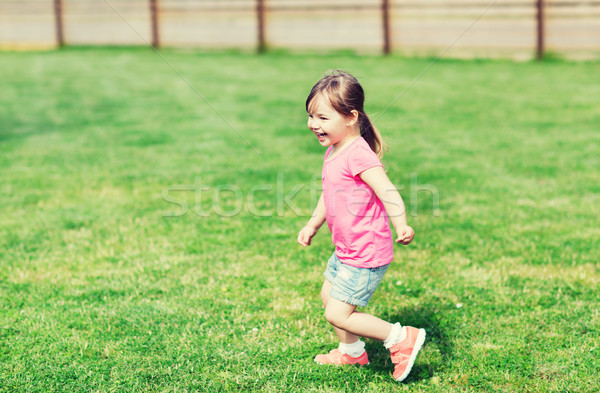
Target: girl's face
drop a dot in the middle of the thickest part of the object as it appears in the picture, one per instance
(328, 125)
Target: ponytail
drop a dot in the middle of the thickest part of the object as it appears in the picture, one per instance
(371, 134)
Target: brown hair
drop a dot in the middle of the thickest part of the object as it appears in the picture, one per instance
(345, 94)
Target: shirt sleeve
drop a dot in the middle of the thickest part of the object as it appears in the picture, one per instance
(361, 159)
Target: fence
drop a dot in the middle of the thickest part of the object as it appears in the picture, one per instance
(458, 28)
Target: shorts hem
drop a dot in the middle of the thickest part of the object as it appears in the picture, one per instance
(343, 298)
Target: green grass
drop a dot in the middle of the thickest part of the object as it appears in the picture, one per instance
(107, 286)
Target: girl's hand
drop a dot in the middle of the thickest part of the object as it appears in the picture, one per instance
(405, 235)
(305, 235)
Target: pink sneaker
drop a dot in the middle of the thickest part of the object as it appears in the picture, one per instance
(336, 357)
(405, 352)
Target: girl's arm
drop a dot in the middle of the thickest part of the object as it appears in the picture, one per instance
(313, 225)
(377, 179)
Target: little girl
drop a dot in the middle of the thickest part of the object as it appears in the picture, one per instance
(356, 201)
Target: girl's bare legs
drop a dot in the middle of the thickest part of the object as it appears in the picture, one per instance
(348, 323)
(344, 336)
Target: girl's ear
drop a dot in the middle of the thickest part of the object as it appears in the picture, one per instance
(353, 118)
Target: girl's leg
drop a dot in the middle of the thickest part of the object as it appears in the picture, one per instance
(344, 317)
(404, 343)
(344, 336)
(348, 323)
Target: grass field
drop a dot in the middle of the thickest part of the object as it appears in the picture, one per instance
(149, 207)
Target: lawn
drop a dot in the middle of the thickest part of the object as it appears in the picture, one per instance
(149, 205)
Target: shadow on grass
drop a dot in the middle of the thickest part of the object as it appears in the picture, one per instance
(428, 317)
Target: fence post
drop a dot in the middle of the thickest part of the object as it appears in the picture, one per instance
(541, 31)
(154, 22)
(58, 19)
(260, 16)
(385, 12)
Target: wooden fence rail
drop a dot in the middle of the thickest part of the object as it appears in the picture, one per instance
(479, 26)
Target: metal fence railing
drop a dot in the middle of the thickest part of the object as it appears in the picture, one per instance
(482, 28)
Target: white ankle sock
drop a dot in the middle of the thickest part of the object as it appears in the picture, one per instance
(355, 349)
(397, 334)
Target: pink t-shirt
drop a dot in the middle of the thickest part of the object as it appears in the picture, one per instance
(356, 217)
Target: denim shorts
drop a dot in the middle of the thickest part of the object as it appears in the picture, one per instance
(353, 285)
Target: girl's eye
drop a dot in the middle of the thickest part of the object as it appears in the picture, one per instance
(323, 118)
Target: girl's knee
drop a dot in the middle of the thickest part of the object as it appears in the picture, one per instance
(334, 317)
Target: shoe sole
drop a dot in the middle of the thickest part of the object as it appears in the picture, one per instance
(413, 356)
(345, 364)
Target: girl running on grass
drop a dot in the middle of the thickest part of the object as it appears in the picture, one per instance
(356, 201)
